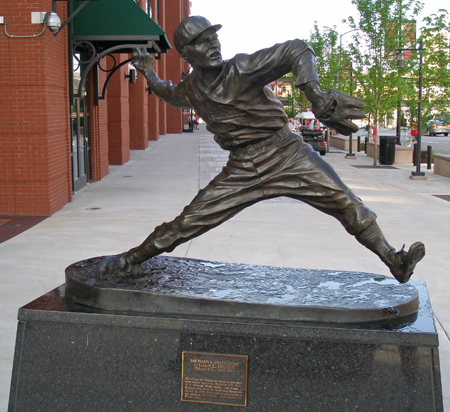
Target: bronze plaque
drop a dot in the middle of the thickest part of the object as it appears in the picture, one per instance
(214, 378)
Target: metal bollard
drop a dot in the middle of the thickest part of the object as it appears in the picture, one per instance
(358, 149)
(366, 141)
(428, 157)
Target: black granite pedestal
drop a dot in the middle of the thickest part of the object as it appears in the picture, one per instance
(71, 357)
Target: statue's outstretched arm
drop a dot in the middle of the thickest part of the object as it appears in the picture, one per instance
(145, 64)
(333, 108)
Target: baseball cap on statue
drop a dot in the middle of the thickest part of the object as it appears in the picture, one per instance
(191, 27)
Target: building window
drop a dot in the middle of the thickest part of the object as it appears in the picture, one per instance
(148, 9)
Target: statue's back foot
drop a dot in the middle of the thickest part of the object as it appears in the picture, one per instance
(402, 264)
(119, 266)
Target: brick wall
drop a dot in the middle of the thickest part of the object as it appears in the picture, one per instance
(118, 113)
(153, 101)
(161, 71)
(35, 145)
(161, 117)
(174, 65)
(138, 115)
(153, 117)
(34, 121)
(99, 132)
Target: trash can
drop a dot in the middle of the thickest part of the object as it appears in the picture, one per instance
(387, 150)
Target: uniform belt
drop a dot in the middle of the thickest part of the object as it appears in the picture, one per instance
(264, 144)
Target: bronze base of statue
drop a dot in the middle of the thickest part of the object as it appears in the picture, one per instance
(190, 286)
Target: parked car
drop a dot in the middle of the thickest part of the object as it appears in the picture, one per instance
(313, 132)
(440, 124)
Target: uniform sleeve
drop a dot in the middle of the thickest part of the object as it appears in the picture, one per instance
(167, 92)
(270, 64)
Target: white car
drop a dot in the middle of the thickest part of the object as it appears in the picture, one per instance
(440, 124)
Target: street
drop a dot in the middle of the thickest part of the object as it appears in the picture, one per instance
(440, 144)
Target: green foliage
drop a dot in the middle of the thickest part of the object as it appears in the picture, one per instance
(436, 64)
(378, 34)
(324, 44)
(367, 68)
(381, 31)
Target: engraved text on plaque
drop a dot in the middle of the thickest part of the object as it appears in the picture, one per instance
(214, 378)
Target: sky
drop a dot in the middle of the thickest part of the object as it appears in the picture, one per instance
(250, 25)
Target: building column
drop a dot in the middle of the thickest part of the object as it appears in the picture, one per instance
(174, 64)
(118, 114)
(162, 74)
(99, 131)
(138, 115)
(153, 117)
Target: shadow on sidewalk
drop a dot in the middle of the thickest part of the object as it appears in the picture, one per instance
(11, 226)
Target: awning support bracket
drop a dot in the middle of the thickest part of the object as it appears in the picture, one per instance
(97, 57)
(111, 72)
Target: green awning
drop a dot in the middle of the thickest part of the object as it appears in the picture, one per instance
(110, 23)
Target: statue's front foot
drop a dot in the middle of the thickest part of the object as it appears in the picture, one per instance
(402, 264)
(120, 266)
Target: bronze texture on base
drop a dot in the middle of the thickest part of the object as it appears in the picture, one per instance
(195, 287)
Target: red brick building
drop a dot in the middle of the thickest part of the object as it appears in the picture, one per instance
(57, 136)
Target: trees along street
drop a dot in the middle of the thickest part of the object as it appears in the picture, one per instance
(379, 31)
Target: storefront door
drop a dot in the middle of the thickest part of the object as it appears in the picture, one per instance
(80, 144)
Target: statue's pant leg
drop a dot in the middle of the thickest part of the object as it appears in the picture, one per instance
(235, 188)
(291, 169)
(297, 171)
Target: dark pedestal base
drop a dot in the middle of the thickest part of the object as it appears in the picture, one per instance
(72, 358)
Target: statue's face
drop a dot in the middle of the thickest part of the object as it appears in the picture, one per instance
(204, 51)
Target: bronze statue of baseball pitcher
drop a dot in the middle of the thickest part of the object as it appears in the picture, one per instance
(266, 158)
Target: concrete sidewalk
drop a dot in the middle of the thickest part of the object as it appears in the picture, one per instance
(117, 213)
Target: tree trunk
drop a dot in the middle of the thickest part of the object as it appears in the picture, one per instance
(375, 154)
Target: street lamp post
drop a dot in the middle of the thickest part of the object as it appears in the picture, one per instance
(398, 127)
(401, 63)
(292, 103)
(350, 154)
(343, 34)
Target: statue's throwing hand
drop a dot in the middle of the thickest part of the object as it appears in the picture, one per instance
(143, 61)
(337, 110)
